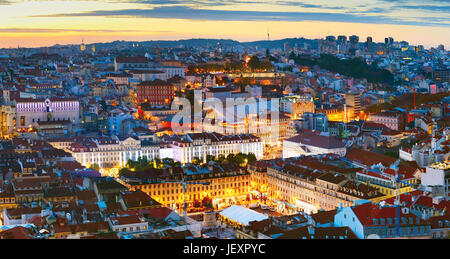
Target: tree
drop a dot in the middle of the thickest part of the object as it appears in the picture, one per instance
(95, 167)
(196, 161)
(220, 158)
(210, 158)
(207, 203)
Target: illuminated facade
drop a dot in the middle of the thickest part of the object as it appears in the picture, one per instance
(201, 145)
(384, 183)
(227, 185)
(111, 152)
(296, 105)
(30, 111)
(156, 92)
(307, 190)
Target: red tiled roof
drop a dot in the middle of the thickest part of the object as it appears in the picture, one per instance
(369, 158)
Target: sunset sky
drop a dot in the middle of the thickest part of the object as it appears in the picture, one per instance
(45, 23)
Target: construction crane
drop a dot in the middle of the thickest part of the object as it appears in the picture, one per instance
(414, 91)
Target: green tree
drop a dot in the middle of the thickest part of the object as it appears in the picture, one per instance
(95, 167)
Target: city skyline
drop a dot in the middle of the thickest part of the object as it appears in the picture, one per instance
(46, 23)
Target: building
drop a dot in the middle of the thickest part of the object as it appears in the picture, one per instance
(312, 143)
(128, 224)
(295, 106)
(125, 63)
(172, 71)
(221, 93)
(30, 111)
(353, 105)
(314, 121)
(375, 221)
(300, 188)
(385, 181)
(142, 75)
(436, 178)
(156, 92)
(228, 184)
(254, 91)
(441, 75)
(110, 152)
(201, 145)
(392, 120)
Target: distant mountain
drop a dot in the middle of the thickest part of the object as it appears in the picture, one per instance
(226, 43)
(187, 43)
(274, 44)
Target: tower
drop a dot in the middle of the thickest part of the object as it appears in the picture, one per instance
(83, 46)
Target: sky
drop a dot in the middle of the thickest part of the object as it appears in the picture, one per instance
(35, 23)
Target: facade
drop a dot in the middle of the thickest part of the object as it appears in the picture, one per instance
(392, 120)
(227, 184)
(8, 119)
(148, 75)
(201, 145)
(126, 225)
(375, 221)
(309, 190)
(353, 100)
(110, 152)
(172, 71)
(314, 121)
(436, 178)
(296, 105)
(221, 93)
(441, 75)
(124, 63)
(384, 182)
(156, 92)
(30, 111)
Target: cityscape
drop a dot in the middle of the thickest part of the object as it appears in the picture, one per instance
(106, 134)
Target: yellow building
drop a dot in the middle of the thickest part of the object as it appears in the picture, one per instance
(304, 189)
(227, 185)
(384, 182)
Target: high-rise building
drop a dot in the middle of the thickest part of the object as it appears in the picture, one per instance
(342, 39)
(388, 41)
(441, 75)
(353, 103)
(331, 38)
(368, 42)
(354, 39)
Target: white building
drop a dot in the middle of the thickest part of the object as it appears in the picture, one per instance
(29, 111)
(436, 178)
(202, 144)
(110, 152)
(149, 75)
(172, 71)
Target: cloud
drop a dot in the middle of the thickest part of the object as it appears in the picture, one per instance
(189, 13)
(305, 5)
(44, 30)
(434, 8)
